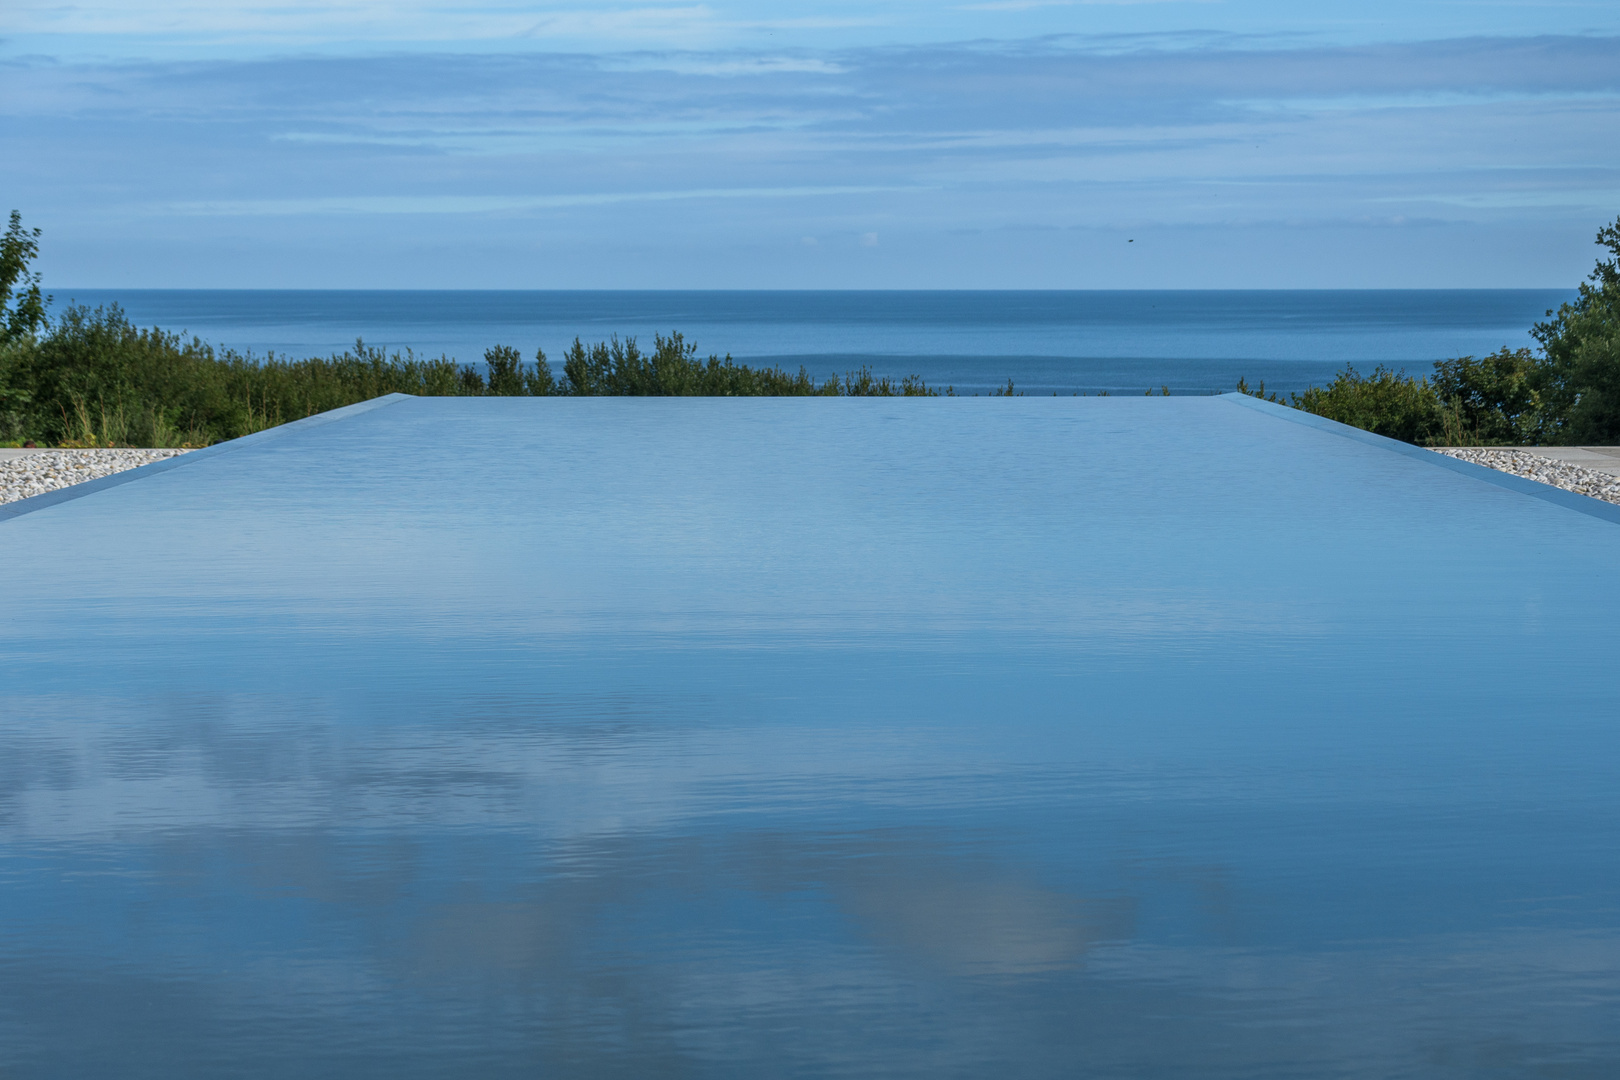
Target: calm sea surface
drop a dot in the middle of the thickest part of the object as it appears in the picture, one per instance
(1121, 342)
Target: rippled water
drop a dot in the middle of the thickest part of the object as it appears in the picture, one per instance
(1096, 737)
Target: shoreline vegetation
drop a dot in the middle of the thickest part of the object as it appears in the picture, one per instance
(90, 378)
(1564, 393)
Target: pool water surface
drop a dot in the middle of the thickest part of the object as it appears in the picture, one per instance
(1028, 737)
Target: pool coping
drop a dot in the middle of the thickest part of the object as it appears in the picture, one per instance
(47, 499)
(1569, 500)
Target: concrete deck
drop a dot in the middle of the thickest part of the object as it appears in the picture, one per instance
(1603, 459)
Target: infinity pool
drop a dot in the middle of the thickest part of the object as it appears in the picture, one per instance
(1174, 737)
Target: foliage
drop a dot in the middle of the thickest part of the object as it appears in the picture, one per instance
(1491, 401)
(504, 366)
(507, 375)
(1569, 394)
(95, 379)
(1580, 376)
(1488, 401)
(1259, 391)
(15, 402)
(1385, 402)
(538, 380)
(91, 378)
(22, 308)
(673, 368)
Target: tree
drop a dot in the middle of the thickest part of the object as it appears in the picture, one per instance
(22, 308)
(1492, 400)
(1580, 378)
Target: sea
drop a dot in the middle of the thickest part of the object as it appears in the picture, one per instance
(1045, 342)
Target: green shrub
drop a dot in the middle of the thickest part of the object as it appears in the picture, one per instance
(1386, 402)
(505, 370)
(1488, 401)
(93, 378)
(620, 368)
(15, 402)
(1243, 387)
(673, 369)
(1492, 400)
(1569, 394)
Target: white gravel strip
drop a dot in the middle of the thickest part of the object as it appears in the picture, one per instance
(1557, 473)
(35, 474)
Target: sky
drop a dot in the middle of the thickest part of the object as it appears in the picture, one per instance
(811, 143)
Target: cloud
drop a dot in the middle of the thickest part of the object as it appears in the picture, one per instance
(367, 20)
(262, 28)
(727, 65)
(762, 147)
(490, 204)
(1008, 87)
(251, 28)
(1031, 5)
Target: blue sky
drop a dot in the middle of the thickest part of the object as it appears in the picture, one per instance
(995, 144)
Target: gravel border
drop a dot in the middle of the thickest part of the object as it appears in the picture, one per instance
(48, 470)
(1559, 474)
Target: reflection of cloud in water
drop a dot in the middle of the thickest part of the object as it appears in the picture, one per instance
(905, 897)
(989, 928)
(498, 939)
(559, 767)
(905, 951)
(966, 918)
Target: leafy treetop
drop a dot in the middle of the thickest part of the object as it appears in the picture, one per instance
(22, 308)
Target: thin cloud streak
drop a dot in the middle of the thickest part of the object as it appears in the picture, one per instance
(486, 204)
(262, 28)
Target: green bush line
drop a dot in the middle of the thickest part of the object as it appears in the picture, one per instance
(91, 378)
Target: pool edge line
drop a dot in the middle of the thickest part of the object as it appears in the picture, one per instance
(1569, 500)
(46, 499)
